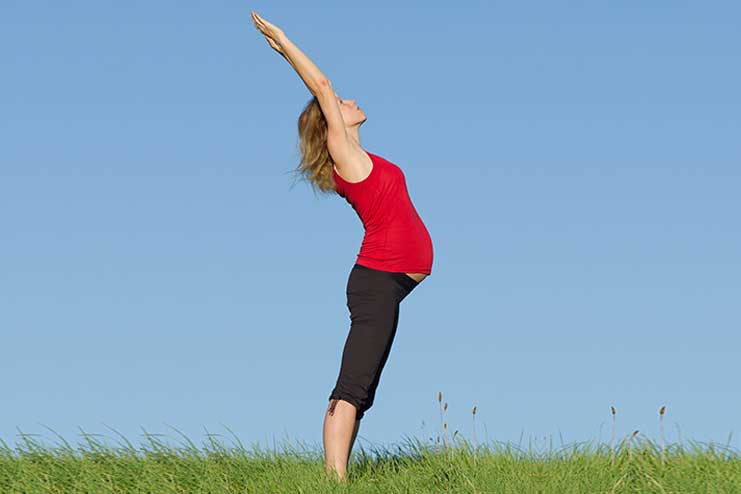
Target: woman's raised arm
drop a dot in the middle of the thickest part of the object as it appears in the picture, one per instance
(317, 83)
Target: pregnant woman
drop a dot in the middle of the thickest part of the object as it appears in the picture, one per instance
(395, 256)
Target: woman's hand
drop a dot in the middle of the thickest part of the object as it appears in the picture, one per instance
(309, 73)
(273, 34)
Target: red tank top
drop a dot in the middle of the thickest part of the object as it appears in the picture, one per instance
(395, 238)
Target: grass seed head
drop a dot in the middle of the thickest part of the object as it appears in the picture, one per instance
(662, 410)
(446, 406)
(474, 410)
(612, 409)
(439, 396)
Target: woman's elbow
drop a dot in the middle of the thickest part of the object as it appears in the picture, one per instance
(323, 85)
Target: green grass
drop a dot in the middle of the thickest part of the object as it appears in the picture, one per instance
(634, 465)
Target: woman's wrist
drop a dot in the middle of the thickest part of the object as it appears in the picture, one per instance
(282, 38)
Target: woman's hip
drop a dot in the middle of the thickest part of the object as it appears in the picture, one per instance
(371, 284)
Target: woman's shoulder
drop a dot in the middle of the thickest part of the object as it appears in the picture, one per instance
(359, 170)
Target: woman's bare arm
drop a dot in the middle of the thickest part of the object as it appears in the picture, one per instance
(317, 83)
(302, 64)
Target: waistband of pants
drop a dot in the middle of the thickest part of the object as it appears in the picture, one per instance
(407, 281)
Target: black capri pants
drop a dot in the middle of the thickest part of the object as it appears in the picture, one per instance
(373, 298)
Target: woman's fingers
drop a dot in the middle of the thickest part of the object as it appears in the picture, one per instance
(260, 18)
(272, 33)
(268, 28)
(269, 32)
(260, 21)
(261, 27)
(257, 22)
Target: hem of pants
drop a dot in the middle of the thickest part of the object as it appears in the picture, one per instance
(358, 411)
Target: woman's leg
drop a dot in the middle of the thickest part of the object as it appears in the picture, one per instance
(340, 429)
(354, 435)
(373, 301)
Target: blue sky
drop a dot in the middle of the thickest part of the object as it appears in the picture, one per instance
(576, 164)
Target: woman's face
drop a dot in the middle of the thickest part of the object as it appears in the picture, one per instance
(351, 112)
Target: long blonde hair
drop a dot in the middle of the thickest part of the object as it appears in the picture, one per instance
(316, 162)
